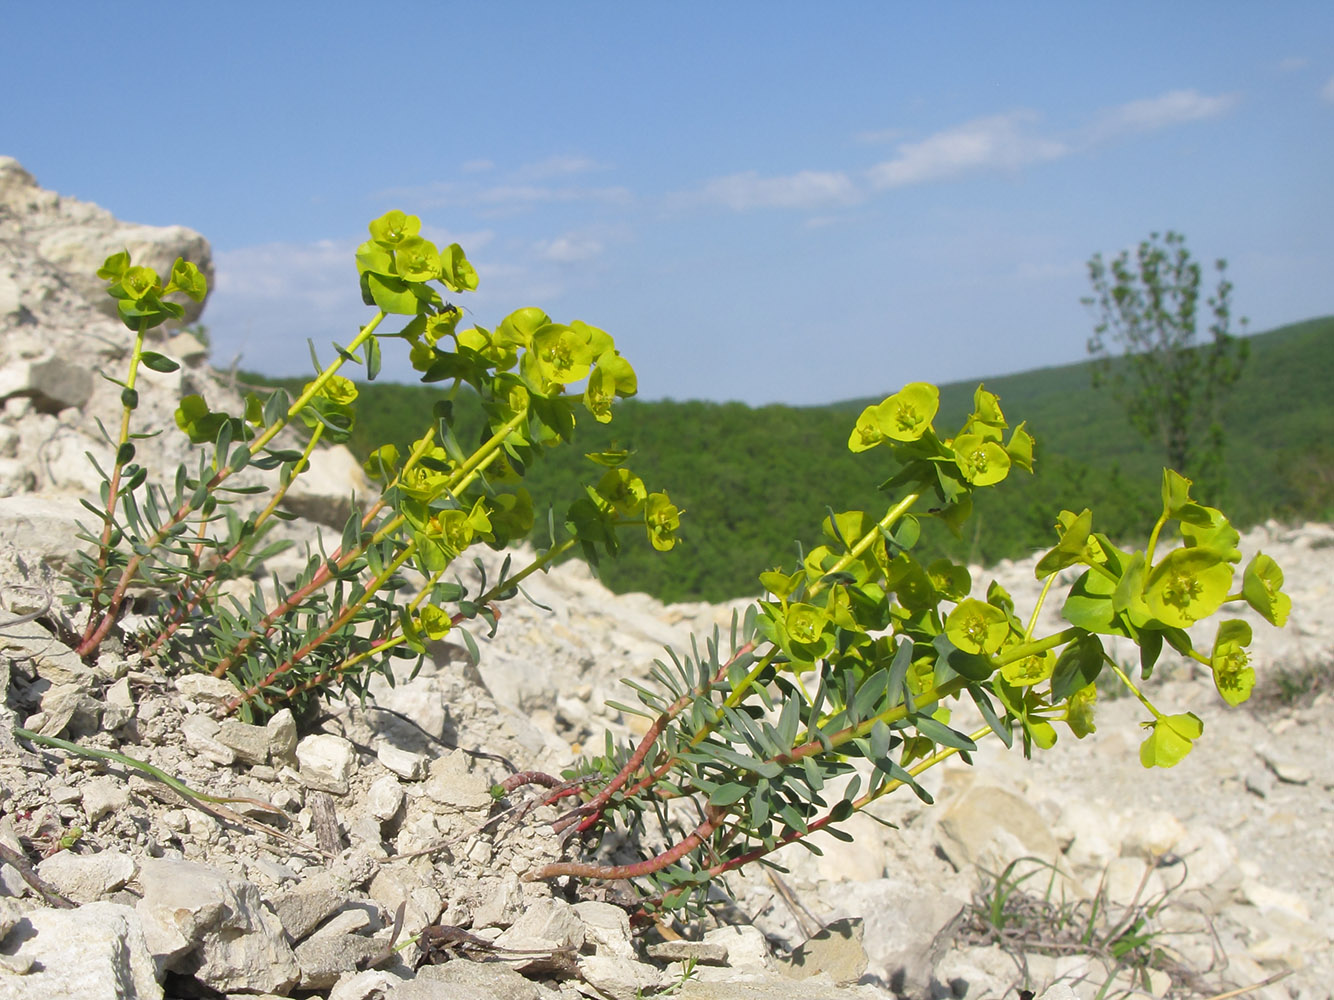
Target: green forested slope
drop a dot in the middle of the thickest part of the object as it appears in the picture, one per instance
(755, 481)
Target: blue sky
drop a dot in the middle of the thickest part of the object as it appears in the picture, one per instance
(764, 202)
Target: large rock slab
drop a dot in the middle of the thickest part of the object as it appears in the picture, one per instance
(111, 959)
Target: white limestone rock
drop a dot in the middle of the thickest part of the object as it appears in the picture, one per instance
(202, 922)
(326, 762)
(87, 877)
(90, 953)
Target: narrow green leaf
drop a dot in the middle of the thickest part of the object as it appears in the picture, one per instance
(938, 732)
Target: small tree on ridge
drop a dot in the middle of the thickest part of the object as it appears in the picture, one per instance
(1170, 386)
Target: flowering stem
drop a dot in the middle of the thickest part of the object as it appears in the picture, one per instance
(113, 491)
(94, 637)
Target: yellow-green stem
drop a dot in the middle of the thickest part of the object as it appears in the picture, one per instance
(541, 562)
(1037, 610)
(866, 541)
(1116, 669)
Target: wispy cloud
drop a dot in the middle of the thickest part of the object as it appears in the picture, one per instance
(1006, 141)
(519, 195)
(1292, 64)
(1327, 91)
(269, 298)
(570, 248)
(1173, 108)
(551, 180)
(558, 166)
(806, 189)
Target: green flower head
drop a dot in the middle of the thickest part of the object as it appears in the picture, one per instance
(1030, 670)
(563, 354)
(518, 327)
(435, 622)
(392, 228)
(807, 633)
(663, 521)
(1233, 675)
(186, 277)
(440, 325)
(338, 390)
(382, 463)
(623, 490)
(417, 259)
(1079, 711)
(866, 434)
(1187, 585)
(138, 282)
(983, 462)
(975, 627)
(907, 415)
(1262, 586)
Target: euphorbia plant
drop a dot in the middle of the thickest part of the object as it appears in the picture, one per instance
(352, 609)
(837, 685)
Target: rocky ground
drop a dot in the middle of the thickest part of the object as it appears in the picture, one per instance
(384, 814)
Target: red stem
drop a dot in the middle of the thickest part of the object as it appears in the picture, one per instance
(594, 807)
(641, 868)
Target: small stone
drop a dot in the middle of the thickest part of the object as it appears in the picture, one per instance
(404, 763)
(250, 743)
(503, 904)
(547, 925)
(200, 734)
(281, 728)
(205, 689)
(324, 959)
(111, 958)
(1287, 771)
(117, 704)
(454, 784)
(836, 950)
(102, 796)
(702, 952)
(86, 877)
(325, 762)
(373, 984)
(384, 798)
(62, 794)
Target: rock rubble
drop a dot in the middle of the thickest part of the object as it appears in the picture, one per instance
(384, 823)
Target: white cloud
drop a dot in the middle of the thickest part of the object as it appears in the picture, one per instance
(476, 166)
(268, 299)
(996, 142)
(1173, 108)
(1293, 63)
(557, 166)
(568, 249)
(515, 195)
(806, 189)
(1327, 91)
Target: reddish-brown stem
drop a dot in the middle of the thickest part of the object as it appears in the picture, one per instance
(322, 577)
(641, 868)
(521, 778)
(334, 626)
(92, 641)
(595, 805)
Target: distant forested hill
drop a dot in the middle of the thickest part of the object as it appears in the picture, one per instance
(755, 481)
